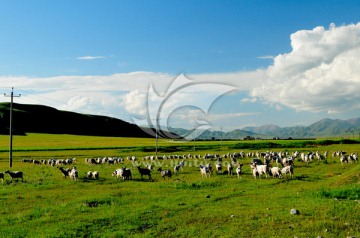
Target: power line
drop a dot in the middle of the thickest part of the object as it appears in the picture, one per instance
(39, 98)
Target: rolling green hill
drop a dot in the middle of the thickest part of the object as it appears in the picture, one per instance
(43, 119)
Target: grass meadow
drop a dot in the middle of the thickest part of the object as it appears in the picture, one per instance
(326, 193)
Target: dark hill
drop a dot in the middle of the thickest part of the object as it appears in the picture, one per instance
(43, 119)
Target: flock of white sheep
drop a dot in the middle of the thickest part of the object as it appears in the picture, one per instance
(273, 164)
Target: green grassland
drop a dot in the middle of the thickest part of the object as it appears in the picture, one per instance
(327, 193)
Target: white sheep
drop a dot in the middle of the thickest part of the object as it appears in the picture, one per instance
(218, 167)
(290, 160)
(353, 157)
(182, 164)
(95, 175)
(288, 170)
(204, 170)
(276, 172)
(117, 173)
(254, 171)
(165, 173)
(123, 173)
(92, 175)
(239, 170)
(319, 156)
(73, 174)
(261, 169)
(344, 159)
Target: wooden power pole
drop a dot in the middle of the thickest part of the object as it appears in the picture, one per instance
(10, 129)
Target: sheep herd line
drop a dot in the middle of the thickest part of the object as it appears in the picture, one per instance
(269, 164)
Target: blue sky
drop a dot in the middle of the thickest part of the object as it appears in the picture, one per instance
(100, 57)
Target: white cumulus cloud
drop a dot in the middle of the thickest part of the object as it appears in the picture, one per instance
(135, 102)
(320, 74)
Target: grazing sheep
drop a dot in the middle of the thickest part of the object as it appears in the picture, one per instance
(275, 172)
(177, 168)
(70, 160)
(288, 170)
(144, 171)
(233, 160)
(353, 157)
(92, 175)
(319, 156)
(36, 162)
(165, 173)
(182, 164)
(110, 161)
(2, 176)
(239, 170)
(131, 158)
(73, 174)
(230, 169)
(261, 169)
(209, 167)
(204, 170)
(218, 167)
(254, 171)
(290, 160)
(52, 162)
(95, 175)
(123, 173)
(89, 175)
(15, 174)
(344, 159)
(126, 174)
(116, 173)
(65, 172)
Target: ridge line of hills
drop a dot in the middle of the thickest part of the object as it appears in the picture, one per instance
(29, 118)
(44, 119)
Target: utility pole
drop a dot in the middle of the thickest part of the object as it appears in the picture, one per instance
(156, 146)
(194, 139)
(10, 130)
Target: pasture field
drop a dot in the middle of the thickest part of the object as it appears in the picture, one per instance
(326, 193)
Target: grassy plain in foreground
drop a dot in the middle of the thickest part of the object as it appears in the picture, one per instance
(46, 205)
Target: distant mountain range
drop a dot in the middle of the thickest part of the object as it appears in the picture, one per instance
(323, 128)
(43, 119)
